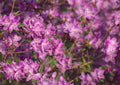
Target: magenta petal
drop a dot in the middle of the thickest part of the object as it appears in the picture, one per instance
(9, 41)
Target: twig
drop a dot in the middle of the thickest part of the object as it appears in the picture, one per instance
(18, 52)
(13, 5)
(71, 48)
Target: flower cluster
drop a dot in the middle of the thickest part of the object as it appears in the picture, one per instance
(59, 42)
(96, 75)
(9, 23)
(18, 71)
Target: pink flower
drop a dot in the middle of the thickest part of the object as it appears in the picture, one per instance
(36, 76)
(9, 72)
(111, 49)
(13, 40)
(90, 80)
(29, 66)
(14, 26)
(10, 22)
(73, 28)
(82, 77)
(18, 75)
(95, 42)
(34, 25)
(50, 31)
(62, 81)
(3, 47)
(98, 74)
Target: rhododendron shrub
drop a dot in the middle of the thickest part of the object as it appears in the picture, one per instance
(59, 42)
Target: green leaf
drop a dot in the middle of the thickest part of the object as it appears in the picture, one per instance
(28, 41)
(1, 56)
(53, 62)
(34, 81)
(20, 25)
(75, 8)
(102, 80)
(63, 74)
(37, 0)
(50, 39)
(4, 82)
(64, 9)
(80, 19)
(83, 25)
(57, 78)
(10, 80)
(7, 31)
(88, 68)
(1, 75)
(112, 74)
(9, 61)
(16, 59)
(58, 36)
(77, 82)
(84, 60)
(86, 32)
(89, 46)
(68, 44)
(35, 55)
(40, 61)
